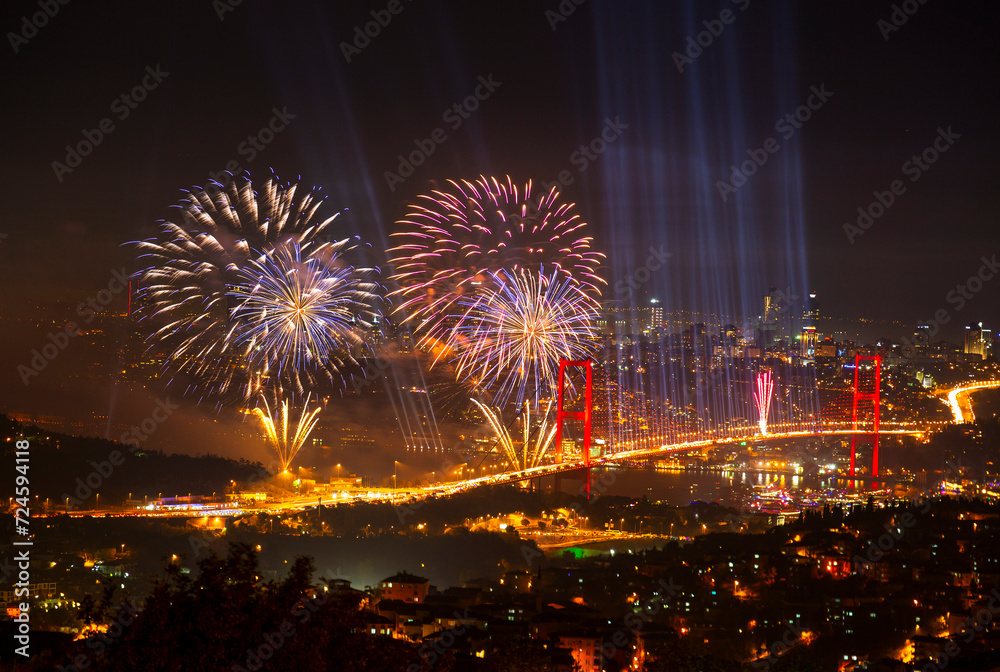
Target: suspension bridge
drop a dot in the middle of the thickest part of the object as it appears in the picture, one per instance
(864, 427)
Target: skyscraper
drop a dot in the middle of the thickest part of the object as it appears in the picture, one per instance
(655, 314)
(811, 313)
(975, 340)
(922, 336)
(767, 330)
(807, 343)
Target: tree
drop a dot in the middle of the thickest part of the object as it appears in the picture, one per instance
(225, 618)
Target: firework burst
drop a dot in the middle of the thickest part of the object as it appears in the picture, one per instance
(454, 239)
(512, 335)
(242, 297)
(196, 261)
(299, 314)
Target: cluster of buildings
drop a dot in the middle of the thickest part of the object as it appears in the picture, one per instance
(477, 619)
(900, 582)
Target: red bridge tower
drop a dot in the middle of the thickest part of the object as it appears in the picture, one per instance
(866, 396)
(584, 415)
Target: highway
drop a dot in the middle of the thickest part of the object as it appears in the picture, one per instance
(401, 496)
(960, 402)
(957, 399)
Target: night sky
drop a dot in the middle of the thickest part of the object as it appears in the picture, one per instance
(559, 80)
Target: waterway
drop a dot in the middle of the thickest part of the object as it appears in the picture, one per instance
(727, 488)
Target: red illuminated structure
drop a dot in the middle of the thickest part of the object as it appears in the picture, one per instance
(584, 415)
(865, 397)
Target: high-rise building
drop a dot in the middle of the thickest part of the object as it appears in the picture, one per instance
(922, 336)
(807, 343)
(811, 314)
(729, 340)
(775, 323)
(406, 341)
(655, 314)
(772, 306)
(975, 343)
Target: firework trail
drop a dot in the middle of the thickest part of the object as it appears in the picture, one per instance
(454, 239)
(762, 397)
(296, 314)
(530, 455)
(286, 446)
(511, 336)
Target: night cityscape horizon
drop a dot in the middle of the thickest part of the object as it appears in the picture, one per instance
(574, 335)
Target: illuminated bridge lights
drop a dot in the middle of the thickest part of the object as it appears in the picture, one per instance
(741, 434)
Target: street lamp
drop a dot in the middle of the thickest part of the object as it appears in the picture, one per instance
(338, 471)
(394, 465)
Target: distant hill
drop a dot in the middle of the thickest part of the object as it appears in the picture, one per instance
(83, 467)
